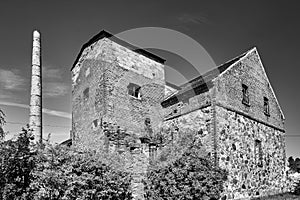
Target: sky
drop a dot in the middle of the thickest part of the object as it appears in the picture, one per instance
(225, 29)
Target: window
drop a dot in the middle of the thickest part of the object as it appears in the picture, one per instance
(95, 124)
(87, 72)
(266, 106)
(134, 90)
(258, 153)
(86, 94)
(148, 126)
(245, 95)
(152, 151)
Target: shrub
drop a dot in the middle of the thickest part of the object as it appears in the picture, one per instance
(184, 171)
(17, 162)
(59, 172)
(65, 173)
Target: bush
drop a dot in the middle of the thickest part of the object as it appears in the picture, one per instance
(63, 173)
(17, 162)
(59, 172)
(184, 171)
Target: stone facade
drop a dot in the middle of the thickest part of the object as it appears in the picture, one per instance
(252, 153)
(100, 90)
(233, 110)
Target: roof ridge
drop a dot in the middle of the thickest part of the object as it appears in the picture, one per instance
(105, 34)
(233, 60)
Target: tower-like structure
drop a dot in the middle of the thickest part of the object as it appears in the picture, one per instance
(35, 118)
(115, 82)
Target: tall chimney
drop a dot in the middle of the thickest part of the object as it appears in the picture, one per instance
(35, 117)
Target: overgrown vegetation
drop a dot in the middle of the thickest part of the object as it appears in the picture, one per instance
(2, 122)
(59, 172)
(183, 170)
(294, 165)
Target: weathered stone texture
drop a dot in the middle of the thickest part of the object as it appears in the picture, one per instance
(107, 68)
(249, 71)
(198, 121)
(35, 116)
(188, 105)
(230, 131)
(250, 175)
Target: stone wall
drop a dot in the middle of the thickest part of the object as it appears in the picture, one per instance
(198, 121)
(249, 71)
(106, 69)
(252, 153)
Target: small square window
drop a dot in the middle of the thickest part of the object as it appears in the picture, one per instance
(245, 95)
(86, 94)
(266, 106)
(134, 90)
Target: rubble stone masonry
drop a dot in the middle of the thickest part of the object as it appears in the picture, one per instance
(239, 136)
(252, 153)
(106, 69)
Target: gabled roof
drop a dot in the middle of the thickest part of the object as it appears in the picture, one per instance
(105, 34)
(201, 83)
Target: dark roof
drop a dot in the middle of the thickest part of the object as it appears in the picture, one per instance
(199, 84)
(104, 34)
(173, 86)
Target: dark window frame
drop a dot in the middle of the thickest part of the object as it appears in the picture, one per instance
(266, 106)
(134, 90)
(258, 152)
(245, 91)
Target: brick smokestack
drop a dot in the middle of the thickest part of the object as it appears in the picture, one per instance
(35, 117)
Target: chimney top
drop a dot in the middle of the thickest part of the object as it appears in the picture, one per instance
(36, 34)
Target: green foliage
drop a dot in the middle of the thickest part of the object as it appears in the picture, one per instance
(184, 171)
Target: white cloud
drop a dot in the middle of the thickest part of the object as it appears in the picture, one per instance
(51, 73)
(44, 110)
(57, 113)
(193, 18)
(55, 89)
(11, 80)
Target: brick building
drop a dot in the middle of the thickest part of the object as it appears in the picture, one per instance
(233, 108)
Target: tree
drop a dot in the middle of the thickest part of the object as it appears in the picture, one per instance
(294, 165)
(184, 171)
(2, 122)
(58, 172)
(67, 173)
(17, 162)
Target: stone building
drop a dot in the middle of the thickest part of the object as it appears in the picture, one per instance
(233, 108)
